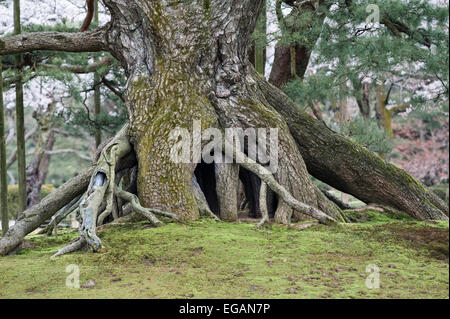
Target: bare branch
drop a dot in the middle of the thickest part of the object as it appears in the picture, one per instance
(111, 87)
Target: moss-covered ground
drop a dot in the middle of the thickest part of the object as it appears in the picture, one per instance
(209, 259)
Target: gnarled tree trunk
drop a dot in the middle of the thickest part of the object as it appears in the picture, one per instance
(188, 61)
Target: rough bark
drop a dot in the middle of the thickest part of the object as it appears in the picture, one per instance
(227, 179)
(187, 61)
(177, 76)
(89, 41)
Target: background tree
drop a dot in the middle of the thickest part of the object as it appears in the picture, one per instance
(3, 174)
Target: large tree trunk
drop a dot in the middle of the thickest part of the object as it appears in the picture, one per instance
(189, 62)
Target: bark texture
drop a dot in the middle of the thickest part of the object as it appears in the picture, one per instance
(90, 41)
(190, 61)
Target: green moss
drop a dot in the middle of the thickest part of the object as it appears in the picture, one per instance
(170, 100)
(206, 259)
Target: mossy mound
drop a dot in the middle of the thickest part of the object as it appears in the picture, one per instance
(208, 259)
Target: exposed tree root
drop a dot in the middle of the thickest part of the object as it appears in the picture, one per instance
(336, 200)
(101, 187)
(349, 167)
(147, 212)
(100, 199)
(60, 215)
(38, 214)
(263, 205)
(266, 176)
(79, 244)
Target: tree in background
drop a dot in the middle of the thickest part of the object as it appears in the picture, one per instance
(20, 121)
(3, 171)
(387, 61)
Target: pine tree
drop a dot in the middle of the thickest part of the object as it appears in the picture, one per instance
(20, 124)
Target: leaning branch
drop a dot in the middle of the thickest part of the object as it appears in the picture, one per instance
(37, 214)
(89, 41)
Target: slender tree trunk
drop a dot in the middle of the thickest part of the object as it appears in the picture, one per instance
(3, 170)
(38, 167)
(97, 96)
(384, 116)
(20, 121)
(343, 107)
(260, 43)
(292, 61)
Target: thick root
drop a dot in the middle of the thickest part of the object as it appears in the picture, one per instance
(79, 244)
(63, 213)
(101, 187)
(263, 205)
(100, 199)
(266, 176)
(147, 212)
